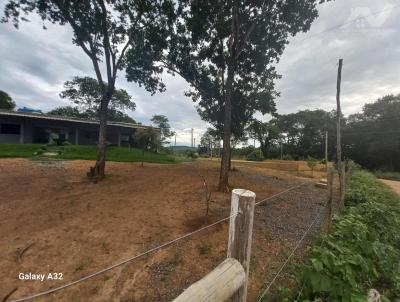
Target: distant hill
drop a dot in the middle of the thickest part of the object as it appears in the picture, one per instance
(182, 149)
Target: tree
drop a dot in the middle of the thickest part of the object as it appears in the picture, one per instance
(6, 101)
(113, 114)
(120, 34)
(85, 93)
(146, 139)
(304, 132)
(226, 51)
(162, 122)
(267, 134)
(209, 141)
(372, 137)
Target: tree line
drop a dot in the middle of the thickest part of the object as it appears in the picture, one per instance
(370, 137)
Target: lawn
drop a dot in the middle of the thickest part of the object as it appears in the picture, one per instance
(89, 152)
(18, 150)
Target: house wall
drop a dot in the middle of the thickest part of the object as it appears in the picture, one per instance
(37, 130)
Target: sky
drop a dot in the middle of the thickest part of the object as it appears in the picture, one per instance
(365, 33)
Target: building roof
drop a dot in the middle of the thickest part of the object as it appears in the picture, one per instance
(69, 119)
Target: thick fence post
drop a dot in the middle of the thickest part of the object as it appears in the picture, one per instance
(240, 234)
(219, 285)
(330, 197)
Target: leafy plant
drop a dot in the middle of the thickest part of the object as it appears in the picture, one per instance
(363, 249)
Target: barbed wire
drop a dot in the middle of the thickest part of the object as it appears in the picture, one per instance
(52, 290)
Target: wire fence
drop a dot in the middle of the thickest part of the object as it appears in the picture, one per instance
(182, 237)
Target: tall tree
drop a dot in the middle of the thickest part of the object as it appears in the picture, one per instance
(6, 102)
(162, 122)
(107, 31)
(266, 133)
(85, 93)
(226, 51)
(372, 137)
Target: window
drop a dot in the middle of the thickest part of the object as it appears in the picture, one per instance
(10, 129)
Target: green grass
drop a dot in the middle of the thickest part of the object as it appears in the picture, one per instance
(18, 150)
(89, 153)
(388, 175)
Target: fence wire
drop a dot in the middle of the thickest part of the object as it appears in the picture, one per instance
(316, 219)
(164, 245)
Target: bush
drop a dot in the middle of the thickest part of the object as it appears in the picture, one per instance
(255, 155)
(287, 157)
(192, 154)
(362, 250)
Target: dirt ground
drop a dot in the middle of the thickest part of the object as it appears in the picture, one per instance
(395, 185)
(52, 219)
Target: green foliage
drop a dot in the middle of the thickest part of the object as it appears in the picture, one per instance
(6, 101)
(312, 162)
(86, 92)
(205, 52)
(162, 122)
(255, 155)
(362, 251)
(147, 139)
(372, 136)
(388, 175)
(268, 134)
(287, 157)
(191, 154)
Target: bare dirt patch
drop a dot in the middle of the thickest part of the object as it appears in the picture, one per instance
(52, 219)
(394, 185)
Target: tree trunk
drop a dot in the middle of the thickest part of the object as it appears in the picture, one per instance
(223, 185)
(98, 171)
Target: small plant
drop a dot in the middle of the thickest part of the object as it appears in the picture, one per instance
(207, 195)
(255, 155)
(312, 163)
(203, 249)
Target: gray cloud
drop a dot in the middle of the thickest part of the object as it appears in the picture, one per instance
(365, 33)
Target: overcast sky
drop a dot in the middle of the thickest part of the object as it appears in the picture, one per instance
(365, 33)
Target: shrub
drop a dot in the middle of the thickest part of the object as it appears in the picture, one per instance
(362, 250)
(287, 157)
(192, 154)
(255, 155)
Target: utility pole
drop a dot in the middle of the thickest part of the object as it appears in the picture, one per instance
(194, 143)
(175, 139)
(191, 137)
(281, 151)
(326, 151)
(338, 113)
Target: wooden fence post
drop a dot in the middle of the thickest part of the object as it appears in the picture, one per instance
(342, 185)
(219, 285)
(330, 197)
(240, 234)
